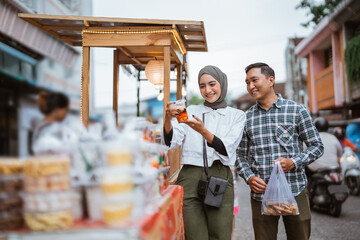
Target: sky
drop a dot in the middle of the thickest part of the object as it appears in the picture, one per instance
(238, 33)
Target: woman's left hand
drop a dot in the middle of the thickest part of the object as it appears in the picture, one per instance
(196, 124)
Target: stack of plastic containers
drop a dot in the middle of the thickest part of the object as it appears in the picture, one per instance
(47, 195)
(117, 184)
(11, 184)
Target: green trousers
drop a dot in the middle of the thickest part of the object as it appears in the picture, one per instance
(298, 227)
(202, 222)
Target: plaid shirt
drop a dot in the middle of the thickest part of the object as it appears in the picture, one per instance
(278, 132)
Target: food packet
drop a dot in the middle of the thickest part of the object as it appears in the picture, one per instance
(278, 198)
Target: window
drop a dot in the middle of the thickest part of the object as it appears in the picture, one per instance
(328, 57)
(11, 64)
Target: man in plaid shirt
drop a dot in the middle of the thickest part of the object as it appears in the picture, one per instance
(275, 130)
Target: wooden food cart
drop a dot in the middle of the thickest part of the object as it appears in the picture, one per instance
(136, 42)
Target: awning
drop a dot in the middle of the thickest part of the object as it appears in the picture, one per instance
(33, 38)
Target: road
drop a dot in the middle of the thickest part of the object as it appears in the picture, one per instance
(323, 226)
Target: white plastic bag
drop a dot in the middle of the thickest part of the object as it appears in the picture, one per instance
(278, 198)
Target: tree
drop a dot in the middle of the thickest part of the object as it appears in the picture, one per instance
(317, 10)
(194, 100)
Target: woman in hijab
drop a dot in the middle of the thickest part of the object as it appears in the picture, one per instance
(221, 127)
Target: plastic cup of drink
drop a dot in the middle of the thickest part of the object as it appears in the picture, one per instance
(180, 105)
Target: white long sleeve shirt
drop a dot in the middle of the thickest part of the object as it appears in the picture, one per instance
(225, 123)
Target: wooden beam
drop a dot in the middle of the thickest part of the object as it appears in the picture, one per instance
(70, 38)
(177, 55)
(27, 16)
(166, 77)
(203, 32)
(179, 82)
(200, 43)
(62, 28)
(129, 28)
(191, 33)
(128, 53)
(85, 85)
(125, 40)
(196, 49)
(116, 85)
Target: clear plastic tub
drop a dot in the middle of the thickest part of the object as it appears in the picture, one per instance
(56, 182)
(48, 202)
(180, 105)
(118, 209)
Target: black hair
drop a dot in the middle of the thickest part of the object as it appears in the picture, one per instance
(321, 124)
(265, 69)
(49, 101)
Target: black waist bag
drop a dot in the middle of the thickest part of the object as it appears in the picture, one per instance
(213, 189)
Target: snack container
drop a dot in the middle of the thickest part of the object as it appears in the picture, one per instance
(117, 157)
(115, 184)
(11, 166)
(11, 219)
(117, 209)
(49, 221)
(11, 183)
(117, 153)
(43, 184)
(10, 202)
(180, 105)
(47, 165)
(47, 202)
(94, 199)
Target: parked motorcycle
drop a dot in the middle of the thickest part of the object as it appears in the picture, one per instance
(350, 166)
(327, 191)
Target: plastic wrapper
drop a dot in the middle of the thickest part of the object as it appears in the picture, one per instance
(180, 106)
(49, 221)
(10, 201)
(118, 209)
(48, 202)
(11, 183)
(11, 166)
(47, 165)
(278, 198)
(11, 219)
(94, 199)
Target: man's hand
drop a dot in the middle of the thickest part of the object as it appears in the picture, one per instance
(286, 163)
(256, 184)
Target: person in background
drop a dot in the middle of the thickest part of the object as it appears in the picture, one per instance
(353, 134)
(221, 127)
(344, 141)
(332, 147)
(275, 130)
(54, 106)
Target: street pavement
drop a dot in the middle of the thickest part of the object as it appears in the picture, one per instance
(324, 226)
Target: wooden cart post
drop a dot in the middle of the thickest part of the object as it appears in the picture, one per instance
(116, 84)
(85, 85)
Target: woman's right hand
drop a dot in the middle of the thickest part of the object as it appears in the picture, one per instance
(171, 112)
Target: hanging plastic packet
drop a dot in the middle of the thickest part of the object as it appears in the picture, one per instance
(278, 198)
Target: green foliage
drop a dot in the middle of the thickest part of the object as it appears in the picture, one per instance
(317, 10)
(352, 59)
(194, 100)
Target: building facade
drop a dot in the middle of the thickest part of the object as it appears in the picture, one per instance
(328, 86)
(31, 61)
(296, 73)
